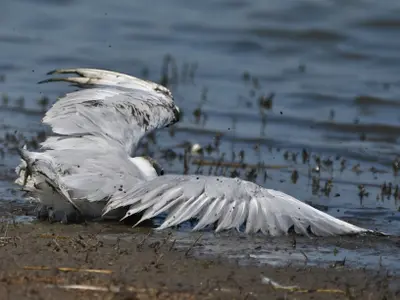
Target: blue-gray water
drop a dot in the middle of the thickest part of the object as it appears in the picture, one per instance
(332, 65)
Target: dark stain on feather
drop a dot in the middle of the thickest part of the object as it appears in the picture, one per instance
(93, 103)
(142, 117)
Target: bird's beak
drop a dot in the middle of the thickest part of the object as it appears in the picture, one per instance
(177, 115)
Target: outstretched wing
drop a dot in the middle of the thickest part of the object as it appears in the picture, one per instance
(229, 202)
(113, 106)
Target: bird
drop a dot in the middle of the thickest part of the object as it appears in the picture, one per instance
(88, 167)
(105, 120)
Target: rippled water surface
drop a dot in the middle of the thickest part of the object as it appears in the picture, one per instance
(331, 69)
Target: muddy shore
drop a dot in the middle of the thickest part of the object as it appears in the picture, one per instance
(42, 261)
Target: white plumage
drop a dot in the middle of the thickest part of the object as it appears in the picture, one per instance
(116, 107)
(229, 202)
(90, 169)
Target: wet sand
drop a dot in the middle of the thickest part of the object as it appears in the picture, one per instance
(43, 261)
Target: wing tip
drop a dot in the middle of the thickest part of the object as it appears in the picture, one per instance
(63, 71)
(59, 79)
(55, 71)
(45, 81)
(59, 71)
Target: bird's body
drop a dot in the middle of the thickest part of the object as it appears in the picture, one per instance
(89, 169)
(77, 179)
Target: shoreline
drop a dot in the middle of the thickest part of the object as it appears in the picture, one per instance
(65, 262)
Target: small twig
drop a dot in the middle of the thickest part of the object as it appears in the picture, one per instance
(57, 244)
(82, 287)
(166, 238)
(67, 269)
(143, 240)
(81, 241)
(297, 289)
(305, 256)
(156, 263)
(6, 230)
(172, 245)
(194, 243)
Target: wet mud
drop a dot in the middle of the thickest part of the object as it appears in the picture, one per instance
(109, 261)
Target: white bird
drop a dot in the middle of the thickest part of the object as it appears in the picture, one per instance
(89, 170)
(98, 124)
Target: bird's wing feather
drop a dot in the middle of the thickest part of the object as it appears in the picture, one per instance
(88, 167)
(113, 106)
(231, 202)
(90, 77)
(95, 169)
(103, 177)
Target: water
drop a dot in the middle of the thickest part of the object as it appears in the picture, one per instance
(332, 66)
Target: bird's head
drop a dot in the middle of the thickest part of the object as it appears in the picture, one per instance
(157, 167)
(177, 115)
(149, 167)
